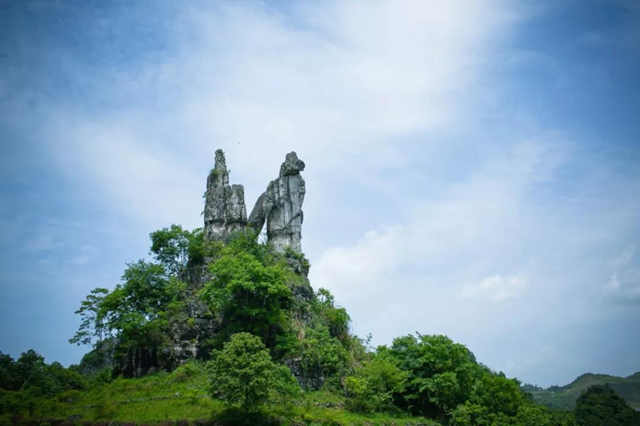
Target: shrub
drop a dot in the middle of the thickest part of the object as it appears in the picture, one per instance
(185, 372)
(243, 374)
(372, 388)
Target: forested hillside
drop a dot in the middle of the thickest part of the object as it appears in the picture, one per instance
(277, 351)
(564, 397)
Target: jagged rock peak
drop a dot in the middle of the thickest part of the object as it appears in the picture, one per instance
(280, 206)
(219, 174)
(292, 165)
(224, 210)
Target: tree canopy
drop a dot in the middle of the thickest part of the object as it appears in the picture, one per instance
(244, 375)
(602, 406)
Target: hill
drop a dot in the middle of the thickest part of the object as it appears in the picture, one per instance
(223, 327)
(564, 397)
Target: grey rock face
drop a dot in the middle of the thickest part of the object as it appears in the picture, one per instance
(189, 334)
(306, 380)
(259, 213)
(224, 210)
(292, 166)
(281, 207)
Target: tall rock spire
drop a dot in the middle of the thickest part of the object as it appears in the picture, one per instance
(224, 210)
(281, 206)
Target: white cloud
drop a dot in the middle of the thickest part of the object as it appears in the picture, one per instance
(623, 288)
(131, 173)
(496, 288)
(338, 82)
(349, 271)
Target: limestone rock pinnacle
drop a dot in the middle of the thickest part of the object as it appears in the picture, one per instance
(281, 206)
(224, 210)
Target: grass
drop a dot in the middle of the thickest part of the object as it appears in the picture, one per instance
(183, 396)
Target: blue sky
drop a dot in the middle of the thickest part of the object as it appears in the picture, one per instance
(472, 169)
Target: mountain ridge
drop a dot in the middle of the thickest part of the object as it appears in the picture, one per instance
(564, 397)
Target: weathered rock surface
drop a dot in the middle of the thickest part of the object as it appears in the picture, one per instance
(189, 338)
(259, 213)
(225, 210)
(281, 207)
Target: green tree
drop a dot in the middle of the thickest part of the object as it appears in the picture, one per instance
(533, 415)
(602, 406)
(92, 328)
(285, 389)
(250, 291)
(372, 387)
(9, 376)
(137, 311)
(498, 394)
(562, 418)
(441, 373)
(35, 379)
(335, 318)
(170, 247)
(28, 364)
(322, 355)
(244, 375)
(134, 316)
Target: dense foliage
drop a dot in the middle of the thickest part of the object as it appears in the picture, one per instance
(29, 382)
(243, 374)
(269, 324)
(602, 406)
(565, 397)
(372, 386)
(250, 290)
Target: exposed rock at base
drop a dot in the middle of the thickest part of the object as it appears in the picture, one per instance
(103, 355)
(306, 381)
(280, 206)
(224, 210)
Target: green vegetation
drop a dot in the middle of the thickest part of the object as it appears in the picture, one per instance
(601, 405)
(565, 397)
(182, 397)
(250, 290)
(244, 375)
(270, 350)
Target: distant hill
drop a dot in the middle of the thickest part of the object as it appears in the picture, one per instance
(564, 397)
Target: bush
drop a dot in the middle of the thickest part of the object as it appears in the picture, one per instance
(372, 388)
(285, 387)
(185, 372)
(243, 374)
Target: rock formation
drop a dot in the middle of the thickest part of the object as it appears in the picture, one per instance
(191, 330)
(224, 210)
(281, 207)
